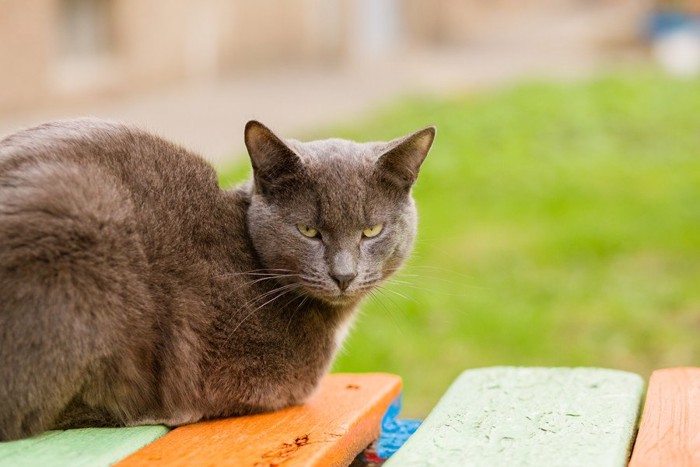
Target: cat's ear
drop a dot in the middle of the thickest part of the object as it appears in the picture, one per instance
(274, 163)
(399, 165)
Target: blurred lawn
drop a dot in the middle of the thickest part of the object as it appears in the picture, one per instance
(560, 225)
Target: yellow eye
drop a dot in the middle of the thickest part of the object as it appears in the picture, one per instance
(307, 231)
(372, 231)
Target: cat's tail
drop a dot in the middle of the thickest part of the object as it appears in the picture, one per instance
(69, 271)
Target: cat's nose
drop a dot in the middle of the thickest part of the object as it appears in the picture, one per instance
(344, 280)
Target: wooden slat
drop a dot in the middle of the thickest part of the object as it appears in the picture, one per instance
(669, 434)
(340, 420)
(529, 416)
(11, 448)
(84, 447)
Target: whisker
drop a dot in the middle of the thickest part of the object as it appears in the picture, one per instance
(288, 288)
(253, 276)
(409, 285)
(273, 277)
(438, 278)
(260, 297)
(384, 289)
(383, 305)
(291, 318)
(262, 271)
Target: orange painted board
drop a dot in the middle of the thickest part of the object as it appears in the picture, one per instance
(669, 434)
(335, 425)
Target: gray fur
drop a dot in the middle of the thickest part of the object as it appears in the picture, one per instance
(133, 290)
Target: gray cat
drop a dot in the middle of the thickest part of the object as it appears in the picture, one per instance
(133, 290)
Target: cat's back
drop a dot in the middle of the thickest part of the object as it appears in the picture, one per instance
(142, 161)
(56, 184)
(104, 231)
(77, 204)
(87, 167)
(70, 188)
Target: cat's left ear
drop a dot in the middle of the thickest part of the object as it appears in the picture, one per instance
(401, 163)
(274, 163)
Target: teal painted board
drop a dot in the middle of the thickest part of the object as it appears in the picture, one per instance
(81, 447)
(7, 449)
(505, 416)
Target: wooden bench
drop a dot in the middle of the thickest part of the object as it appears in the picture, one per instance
(489, 416)
(339, 422)
(342, 418)
(529, 416)
(670, 430)
(560, 416)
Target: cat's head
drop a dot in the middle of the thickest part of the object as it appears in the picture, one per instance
(333, 217)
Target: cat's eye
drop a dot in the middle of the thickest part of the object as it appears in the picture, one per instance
(372, 231)
(308, 231)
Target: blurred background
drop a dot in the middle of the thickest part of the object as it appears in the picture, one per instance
(560, 206)
(196, 70)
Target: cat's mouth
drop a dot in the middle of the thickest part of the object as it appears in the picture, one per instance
(340, 300)
(335, 297)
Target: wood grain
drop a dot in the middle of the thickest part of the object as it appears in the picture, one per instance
(340, 420)
(507, 416)
(669, 434)
(91, 447)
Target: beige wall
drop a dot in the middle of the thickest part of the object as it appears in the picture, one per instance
(156, 42)
(25, 50)
(159, 41)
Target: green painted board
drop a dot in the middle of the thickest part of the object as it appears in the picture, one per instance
(81, 447)
(505, 416)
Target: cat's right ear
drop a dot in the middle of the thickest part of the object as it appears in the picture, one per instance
(274, 163)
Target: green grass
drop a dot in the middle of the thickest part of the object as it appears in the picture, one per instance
(560, 225)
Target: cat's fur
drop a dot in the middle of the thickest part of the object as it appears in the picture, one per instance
(133, 290)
